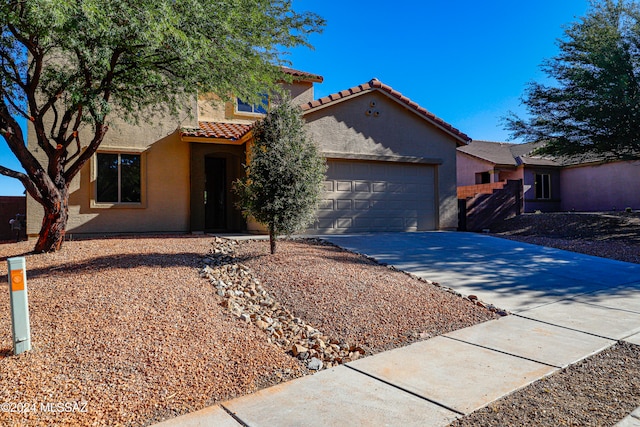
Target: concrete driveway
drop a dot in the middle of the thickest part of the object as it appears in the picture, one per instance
(595, 295)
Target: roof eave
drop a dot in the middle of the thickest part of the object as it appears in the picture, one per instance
(484, 159)
(213, 140)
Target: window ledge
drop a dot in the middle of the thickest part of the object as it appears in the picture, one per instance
(102, 205)
(248, 116)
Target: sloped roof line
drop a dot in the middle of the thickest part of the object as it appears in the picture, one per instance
(375, 84)
(507, 153)
(302, 75)
(495, 152)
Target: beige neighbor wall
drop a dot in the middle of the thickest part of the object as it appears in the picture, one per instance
(394, 131)
(165, 181)
(468, 166)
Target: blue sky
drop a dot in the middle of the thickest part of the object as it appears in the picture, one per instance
(466, 61)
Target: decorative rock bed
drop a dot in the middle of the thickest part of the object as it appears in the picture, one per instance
(247, 300)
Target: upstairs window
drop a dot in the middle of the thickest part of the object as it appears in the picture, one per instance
(261, 108)
(543, 186)
(118, 178)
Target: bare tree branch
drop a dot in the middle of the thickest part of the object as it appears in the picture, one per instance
(26, 182)
(91, 149)
(78, 150)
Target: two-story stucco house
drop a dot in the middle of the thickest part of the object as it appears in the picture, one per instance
(391, 167)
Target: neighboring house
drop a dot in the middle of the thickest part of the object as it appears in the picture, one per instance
(550, 184)
(391, 167)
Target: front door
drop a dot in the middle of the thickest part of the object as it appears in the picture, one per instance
(215, 193)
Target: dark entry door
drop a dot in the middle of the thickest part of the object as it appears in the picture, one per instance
(215, 193)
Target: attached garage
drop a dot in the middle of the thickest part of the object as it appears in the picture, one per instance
(362, 196)
(391, 163)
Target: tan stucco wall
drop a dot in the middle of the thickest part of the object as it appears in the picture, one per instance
(212, 109)
(301, 92)
(165, 181)
(600, 187)
(374, 124)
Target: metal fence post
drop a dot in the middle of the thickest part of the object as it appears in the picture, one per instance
(19, 305)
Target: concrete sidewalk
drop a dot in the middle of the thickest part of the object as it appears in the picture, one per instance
(566, 307)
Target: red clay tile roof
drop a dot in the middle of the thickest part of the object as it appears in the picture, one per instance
(376, 84)
(302, 75)
(231, 131)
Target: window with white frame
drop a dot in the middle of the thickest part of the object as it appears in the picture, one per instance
(543, 186)
(118, 178)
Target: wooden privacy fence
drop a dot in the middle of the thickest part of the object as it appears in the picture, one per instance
(493, 203)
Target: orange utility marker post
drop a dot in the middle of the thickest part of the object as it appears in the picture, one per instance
(19, 305)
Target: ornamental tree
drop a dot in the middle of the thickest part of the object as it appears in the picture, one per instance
(68, 66)
(592, 104)
(284, 174)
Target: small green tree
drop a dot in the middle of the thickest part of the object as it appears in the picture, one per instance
(284, 175)
(593, 102)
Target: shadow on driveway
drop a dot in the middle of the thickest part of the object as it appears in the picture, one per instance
(512, 275)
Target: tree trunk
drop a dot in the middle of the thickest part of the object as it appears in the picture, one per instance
(54, 224)
(272, 241)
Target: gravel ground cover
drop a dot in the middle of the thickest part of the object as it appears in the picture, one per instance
(598, 391)
(614, 235)
(127, 331)
(354, 299)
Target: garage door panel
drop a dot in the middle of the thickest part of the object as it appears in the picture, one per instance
(394, 205)
(395, 188)
(377, 196)
(344, 186)
(344, 204)
(344, 223)
(326, 205)
(378, 187)
(360, 205)
(324, 224)
(413, 188)
(361, 187)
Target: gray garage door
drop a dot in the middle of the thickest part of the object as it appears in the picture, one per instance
(377, 196)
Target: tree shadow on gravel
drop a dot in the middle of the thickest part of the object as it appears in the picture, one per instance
(111, 262)
(5, 258)
(110, 237)
(613, 226)
(324, 249)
